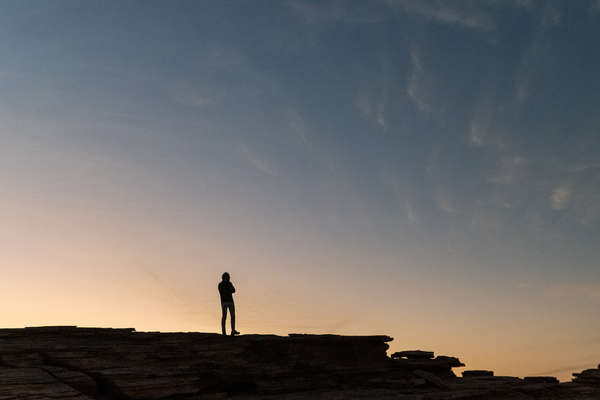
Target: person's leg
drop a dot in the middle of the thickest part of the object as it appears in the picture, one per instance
(223, 318)
(232, 313)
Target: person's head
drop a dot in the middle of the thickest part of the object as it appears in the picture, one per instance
(225, 276)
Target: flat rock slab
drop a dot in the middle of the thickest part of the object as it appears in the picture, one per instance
(413, 354)
(70, 363)
(34, 384)
(476, 373)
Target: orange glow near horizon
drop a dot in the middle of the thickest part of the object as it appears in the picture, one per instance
(112, 283)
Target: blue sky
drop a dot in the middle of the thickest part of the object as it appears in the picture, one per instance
(445, 146)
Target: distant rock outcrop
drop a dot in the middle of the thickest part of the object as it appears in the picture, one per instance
(589, 377)
(73, 363)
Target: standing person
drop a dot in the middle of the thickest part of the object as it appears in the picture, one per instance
(226, 291)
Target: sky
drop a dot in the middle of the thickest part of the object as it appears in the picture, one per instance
(427, 170)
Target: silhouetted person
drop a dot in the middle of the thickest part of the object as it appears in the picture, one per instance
(226, 291)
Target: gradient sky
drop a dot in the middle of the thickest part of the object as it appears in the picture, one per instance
(428, 170)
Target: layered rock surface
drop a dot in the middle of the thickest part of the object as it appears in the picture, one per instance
(96, 363)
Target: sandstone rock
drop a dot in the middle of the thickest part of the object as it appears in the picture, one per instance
(122, 363)
(440, 363)
(71, 363)
(35, 383)
(418, 382)
(588, 377)
(541, 379)
(413, 354)
(451, 361)
(476, 373)
(431, 378)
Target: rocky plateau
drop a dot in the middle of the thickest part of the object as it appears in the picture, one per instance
(71, 363)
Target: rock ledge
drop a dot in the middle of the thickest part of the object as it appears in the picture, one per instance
(71, 363)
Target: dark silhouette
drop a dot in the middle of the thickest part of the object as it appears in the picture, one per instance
(226, 291)
(79, 363)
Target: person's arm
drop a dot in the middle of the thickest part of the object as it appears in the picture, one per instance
(232, 288)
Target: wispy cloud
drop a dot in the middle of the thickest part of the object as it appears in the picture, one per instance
(590, 213)
(586, 199)
(410, 214)
(260, 164)
(560, 197)
(461, 14)
(524, 3)
(509, 171)
(551, 17)
(483, 128)
(480, 126)
(337, 11)
(487, 222)
(445, 200)
(580, 167)
(297, 124)
(477, 133)
(189, 98)
(372, 104)
(416, 85)
(522, 87)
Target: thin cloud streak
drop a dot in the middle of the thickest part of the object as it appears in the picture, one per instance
(457, 13)
(260, 164)
(416, 85)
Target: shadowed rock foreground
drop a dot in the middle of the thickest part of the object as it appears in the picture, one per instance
(95, 363)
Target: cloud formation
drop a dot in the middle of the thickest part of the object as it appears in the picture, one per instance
(509, 170)
(371, 103)
(551, 17)
(416, 85)
(336, 11)
(261, 164)
(560, 197)
(460, 14)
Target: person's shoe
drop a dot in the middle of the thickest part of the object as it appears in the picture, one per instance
(234, 332)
